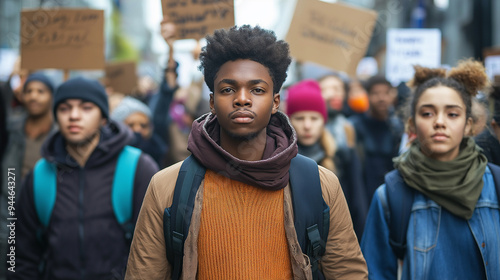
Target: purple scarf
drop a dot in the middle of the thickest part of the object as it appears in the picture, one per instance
(270, 173)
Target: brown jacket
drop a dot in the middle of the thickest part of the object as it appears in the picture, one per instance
(147, 260)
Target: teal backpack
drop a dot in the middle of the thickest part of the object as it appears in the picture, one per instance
(45, 189)
(311, 213)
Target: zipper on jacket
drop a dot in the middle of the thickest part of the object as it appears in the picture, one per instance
(81, 221)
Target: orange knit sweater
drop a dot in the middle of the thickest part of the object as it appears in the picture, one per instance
(242, 233)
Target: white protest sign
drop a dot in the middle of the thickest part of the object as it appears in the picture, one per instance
(409, 47)
(492, 65)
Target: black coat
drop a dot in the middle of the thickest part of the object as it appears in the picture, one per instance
(490, 145)
(83, 239)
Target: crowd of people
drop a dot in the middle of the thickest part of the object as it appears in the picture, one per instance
(406, 175)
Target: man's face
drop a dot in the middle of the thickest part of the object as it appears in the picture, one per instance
(37, 98)
(139, 123)
(381, 97)
(79, 121)
(243, 99)
(333, 92)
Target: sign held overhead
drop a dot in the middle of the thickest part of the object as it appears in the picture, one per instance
(331, 34)
(121, 76)
(196, 18)
(62, 38)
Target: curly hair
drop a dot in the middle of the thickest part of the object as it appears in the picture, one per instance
(375, 80)
(467, 78)
(245, 42)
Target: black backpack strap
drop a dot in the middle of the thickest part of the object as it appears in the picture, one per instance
(311, 213)
(176, 219)
(400, 201)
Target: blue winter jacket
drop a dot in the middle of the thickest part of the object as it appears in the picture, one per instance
(440, 245)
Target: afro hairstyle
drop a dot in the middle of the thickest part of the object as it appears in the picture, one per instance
(245, 42)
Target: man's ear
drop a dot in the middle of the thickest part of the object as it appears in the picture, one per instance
(276, 103)
(212, 105)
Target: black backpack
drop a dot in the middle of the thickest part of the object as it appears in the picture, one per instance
(400, 200)
(311, 213)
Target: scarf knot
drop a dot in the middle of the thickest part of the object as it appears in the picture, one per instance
(455, 185)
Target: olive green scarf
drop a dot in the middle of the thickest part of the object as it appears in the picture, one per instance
(455, 185)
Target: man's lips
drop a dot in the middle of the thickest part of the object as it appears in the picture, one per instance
(242, 116)
(74, 128)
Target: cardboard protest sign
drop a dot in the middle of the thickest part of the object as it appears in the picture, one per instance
(196, 18)
(121, 76)
(407, 47)
(62, 38)
(492, 62)
(330, 34)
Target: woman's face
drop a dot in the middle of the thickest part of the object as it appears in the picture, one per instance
(440, 122)
(309, 126)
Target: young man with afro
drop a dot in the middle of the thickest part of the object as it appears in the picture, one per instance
(242, 221)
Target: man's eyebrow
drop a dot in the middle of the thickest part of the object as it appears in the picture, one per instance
(234, 82)
(227, 81)
(257, 81)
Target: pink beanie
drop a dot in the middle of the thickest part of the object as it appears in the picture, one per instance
(305, 96)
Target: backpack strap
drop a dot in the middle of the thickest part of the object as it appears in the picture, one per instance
(122, 194)
(44, 190)
(311, 228)
(176, 219)
(400, 201)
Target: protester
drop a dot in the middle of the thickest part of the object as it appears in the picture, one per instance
(137, 116)
(357, 98)
(239, 229)
(488, 140)
(480, 115)
(12, 90)
(80, 238)
(333, 90)
(444, 184)
(175, 108)
(27, 131)
(378, 133)
(306, 109)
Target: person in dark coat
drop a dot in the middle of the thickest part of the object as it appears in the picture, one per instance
(83, 239)
(488, 140)
(378, 133)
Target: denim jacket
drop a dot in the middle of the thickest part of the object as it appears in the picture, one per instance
(426, 220)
